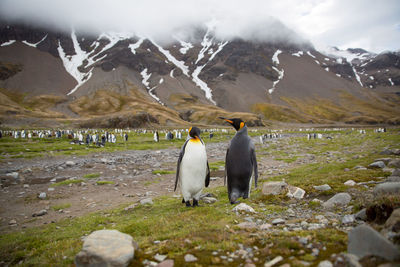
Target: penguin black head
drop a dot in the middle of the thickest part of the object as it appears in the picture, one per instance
(194, 132)
(237, 123)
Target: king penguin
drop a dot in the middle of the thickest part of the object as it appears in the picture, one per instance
(240, 162)
(192, 169)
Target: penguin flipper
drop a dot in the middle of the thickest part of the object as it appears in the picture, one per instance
(208, 175)
(225, 174)
(255, 167)
(178, 166)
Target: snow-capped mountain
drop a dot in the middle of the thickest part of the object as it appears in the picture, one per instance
(235, 75)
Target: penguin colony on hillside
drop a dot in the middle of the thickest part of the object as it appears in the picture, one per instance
(193, 172)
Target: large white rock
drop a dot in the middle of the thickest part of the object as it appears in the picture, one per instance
(274, 188)
(295, 192)
(243, 207)
(340, 199)
(324, 187)
(377, 164)
(106, 248)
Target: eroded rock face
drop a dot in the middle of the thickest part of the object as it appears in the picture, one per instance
(106, 248)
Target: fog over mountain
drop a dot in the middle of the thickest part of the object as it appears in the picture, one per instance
(372, 25)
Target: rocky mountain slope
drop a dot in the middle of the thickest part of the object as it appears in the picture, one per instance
(194, 78)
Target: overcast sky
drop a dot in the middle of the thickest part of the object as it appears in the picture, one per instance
(370, 24)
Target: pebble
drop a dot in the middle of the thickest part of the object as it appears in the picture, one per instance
(42, 195)
(273, 262)
(39, 213)
(347, 219)
(325, 263)
(12, 222)
(190, 258)
(278, 221)
(159, 257)
(243, 207)
(350, 183)
(70, 163)
(324, 187)
(50, 189)
(209, 200)
(146, 201)
(166, 263)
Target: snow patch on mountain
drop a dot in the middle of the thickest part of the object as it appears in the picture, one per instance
(171, 74)
(275, 59)
(391, 82)
(206, 43)
(167, 54)
(185, 46)
(311, 55)
(298, 54)
(8, 43)
(348, 55)
(145, 77)
(280, 77)
(34, 44)
(136, 45)
(145, 81)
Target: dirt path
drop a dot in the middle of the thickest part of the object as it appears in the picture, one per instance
(130, 172)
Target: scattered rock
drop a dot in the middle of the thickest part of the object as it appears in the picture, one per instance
(351, 260)
(39, 213)
(106, 248)
(12, 222)
(348, 218)
(365, 241)
(377, 164)
(166, 263)
(146, 201)
(385, 160)
(350, 183)
(42, 195)
(243, 207)
(190, 258)
(340, 199)
(278, 221)
(247, 225)
(296, 192)
(273, 262)
(324, 187)
(130, 207)
(265, 226)
(14, 175)
(159, 257)
(396, 172)
(393, 221)
(209, 200)
(50, 189)
(394, 163)
(387, 188)
(70, 163)
(361, 215)
(274, 188)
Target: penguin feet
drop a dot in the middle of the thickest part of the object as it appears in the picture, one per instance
(188, 204)
(195, 203)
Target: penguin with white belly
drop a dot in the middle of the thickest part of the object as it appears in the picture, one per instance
(240, 162)
(192, 170)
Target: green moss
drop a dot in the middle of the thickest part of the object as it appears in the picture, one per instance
(161, 172)
(67, 182)
(91, 175)
(61, 206)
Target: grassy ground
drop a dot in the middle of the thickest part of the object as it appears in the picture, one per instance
(167, 227)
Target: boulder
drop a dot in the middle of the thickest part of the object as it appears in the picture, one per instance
(324, 187)
(42, 195)
(387, 188)
(393, 179)
(295, 192)
(325, 263)
(278, 221)
(243, 207)
(365, 241)
(394, 163)
(70, 163)
(396, 172)
(106, 248)
(377, 164)
(361, 215)
(166, 263)
(340, 199)
(39, 213)
(393, 222)
(274, 188)
(190, 258)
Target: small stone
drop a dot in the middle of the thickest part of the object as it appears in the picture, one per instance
(303, 241)
(393, 220)
(39, 213)
(394, 163)
(166, 263)
(159, 257)
(42, 195)
(265, 226)
(324, 187)
(26, 185)
(278, 221)
(190, 258)
(347, 219)
(14, 175)
(273, 262)
(274, 188)
(296, 192)
(209, 200)
(106, 248)
(387, 188)
(12, 222)
(365, 241)
(361, 215)
(247, 225)
(351, 260)
(396, 172)
(377, 164)
(70, 163)
(243, 207)
(340, 199)
(50, 189)
(350, 183)
(146, 201)
(325, 263)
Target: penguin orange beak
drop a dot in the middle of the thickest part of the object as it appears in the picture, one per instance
(231, 122)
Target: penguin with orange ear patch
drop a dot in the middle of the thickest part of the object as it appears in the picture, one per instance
(240, 162)
(192, 170)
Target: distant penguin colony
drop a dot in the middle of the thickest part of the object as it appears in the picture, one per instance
(192, 172)
(240, 162)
